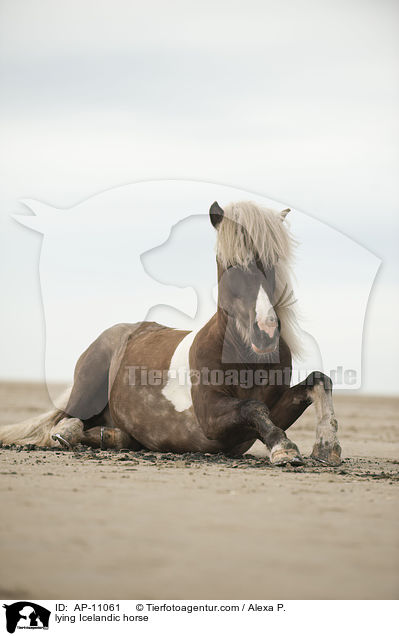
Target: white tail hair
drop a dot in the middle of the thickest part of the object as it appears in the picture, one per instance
(36, 430)
(249, 231)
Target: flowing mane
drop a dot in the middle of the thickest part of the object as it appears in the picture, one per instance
(250, 231)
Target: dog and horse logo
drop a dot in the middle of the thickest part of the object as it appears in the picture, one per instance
(26, 615)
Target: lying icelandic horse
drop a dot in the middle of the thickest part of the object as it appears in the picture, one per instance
(128, 390)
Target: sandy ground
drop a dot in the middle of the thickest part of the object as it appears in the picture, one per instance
(119, 525)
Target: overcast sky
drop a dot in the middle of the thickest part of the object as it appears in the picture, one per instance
(294, 100)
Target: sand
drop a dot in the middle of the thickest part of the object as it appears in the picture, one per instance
(122, 525)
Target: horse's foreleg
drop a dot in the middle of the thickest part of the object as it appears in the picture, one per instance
(326, 448)
(281, 449)
(316, 389)
(232, 422)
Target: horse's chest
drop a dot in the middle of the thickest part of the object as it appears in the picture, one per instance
(267, 394)
(177, 389)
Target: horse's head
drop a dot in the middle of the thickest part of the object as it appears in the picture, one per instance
(248, 289)
(247, 296)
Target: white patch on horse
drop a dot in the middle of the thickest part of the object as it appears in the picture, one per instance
(263, 307)
(178, 387)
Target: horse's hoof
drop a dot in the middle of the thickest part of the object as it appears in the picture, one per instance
(68, 433)
(327, 454)
(63, 442)
(289, 455)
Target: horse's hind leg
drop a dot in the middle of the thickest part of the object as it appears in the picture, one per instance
(107, 437)
(316, 389)
(89, 395)
(70, 431)
(87, 419)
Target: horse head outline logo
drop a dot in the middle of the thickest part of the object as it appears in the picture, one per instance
(146, 251)
(33, 616)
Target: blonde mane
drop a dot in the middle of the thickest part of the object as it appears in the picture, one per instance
(249, 231)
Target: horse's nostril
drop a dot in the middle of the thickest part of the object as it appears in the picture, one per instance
(269, 327)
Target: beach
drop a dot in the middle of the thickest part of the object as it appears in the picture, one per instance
(141, 525)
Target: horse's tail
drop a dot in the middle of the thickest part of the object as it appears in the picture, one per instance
(35, 430)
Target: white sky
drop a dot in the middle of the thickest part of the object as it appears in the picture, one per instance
(293, 100)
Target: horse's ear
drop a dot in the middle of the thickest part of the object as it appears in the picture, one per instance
(284, 213)
(216, 213)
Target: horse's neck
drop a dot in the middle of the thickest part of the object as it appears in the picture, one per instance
(230, 339)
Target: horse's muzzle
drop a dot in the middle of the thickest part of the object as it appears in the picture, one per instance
(265, 337)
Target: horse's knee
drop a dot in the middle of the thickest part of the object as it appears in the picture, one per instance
(318, 378)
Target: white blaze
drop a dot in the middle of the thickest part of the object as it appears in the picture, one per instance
(263, 308)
